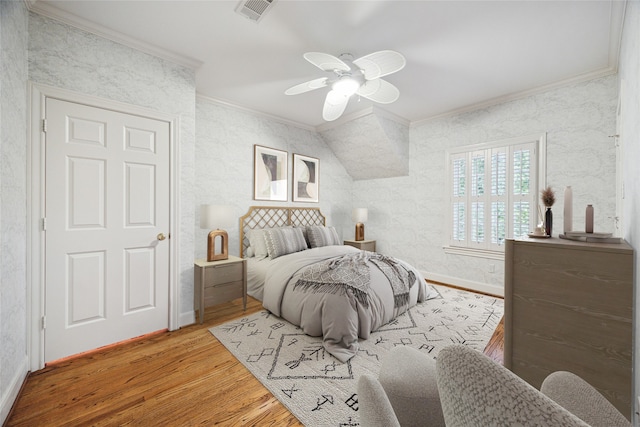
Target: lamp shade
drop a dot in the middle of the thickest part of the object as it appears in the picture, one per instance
(360, 215)
(216, 216)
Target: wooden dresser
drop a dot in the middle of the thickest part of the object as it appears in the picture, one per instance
(569, 306)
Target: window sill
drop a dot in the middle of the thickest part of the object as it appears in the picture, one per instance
(478, 253)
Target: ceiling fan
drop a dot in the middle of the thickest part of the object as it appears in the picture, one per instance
(361, 76)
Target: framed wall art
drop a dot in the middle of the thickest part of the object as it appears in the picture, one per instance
(306, 173)
(269, 174)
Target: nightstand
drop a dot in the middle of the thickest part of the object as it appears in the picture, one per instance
(365, 245)
(219, 281)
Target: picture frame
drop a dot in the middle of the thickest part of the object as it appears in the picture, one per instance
(270, 174)
(306, 178)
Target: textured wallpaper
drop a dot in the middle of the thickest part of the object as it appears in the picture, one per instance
(406, 202)
(629, 130)
(372, 146)
(68, 58)
(225, 139)
(407, 215)
(13, 196)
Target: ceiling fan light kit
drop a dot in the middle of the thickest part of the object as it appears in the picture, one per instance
(346, 85)
(360, 77)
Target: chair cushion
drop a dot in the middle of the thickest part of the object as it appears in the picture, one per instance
(409, 380)
(581, 399)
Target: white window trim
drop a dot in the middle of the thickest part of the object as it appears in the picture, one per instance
(540, 182)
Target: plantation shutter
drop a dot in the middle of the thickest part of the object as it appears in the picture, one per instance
(459, 199)
(499, 196)
(523, 194)
(492, 195)
(477, 200)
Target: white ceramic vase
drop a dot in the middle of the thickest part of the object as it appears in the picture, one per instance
(568, 209)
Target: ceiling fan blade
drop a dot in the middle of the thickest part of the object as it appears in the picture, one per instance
(334, 105)
(379, 90)
(326, 62)
(380, 64)
(306, 86)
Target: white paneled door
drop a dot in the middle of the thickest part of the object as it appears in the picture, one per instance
(106, 225)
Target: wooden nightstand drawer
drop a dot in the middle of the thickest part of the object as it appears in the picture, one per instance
(216, 282)
(222, 274)
(221, 293)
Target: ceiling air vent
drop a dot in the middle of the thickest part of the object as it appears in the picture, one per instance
(254, 9)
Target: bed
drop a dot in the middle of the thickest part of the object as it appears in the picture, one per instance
(301, 272)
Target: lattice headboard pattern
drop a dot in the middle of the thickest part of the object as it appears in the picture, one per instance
(274, 216)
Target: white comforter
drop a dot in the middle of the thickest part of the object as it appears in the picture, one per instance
(339, 318)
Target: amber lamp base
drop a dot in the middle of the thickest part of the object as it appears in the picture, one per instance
(359, 231)
(211, 246)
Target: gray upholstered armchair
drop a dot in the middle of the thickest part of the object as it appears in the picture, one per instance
(466, 388)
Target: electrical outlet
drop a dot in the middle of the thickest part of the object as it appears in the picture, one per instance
(492, 268)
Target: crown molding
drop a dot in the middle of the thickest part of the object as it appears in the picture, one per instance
(616, 24)
(344, 119)
(377, 111)
(46, 9)
(254, 112)
(519, 95)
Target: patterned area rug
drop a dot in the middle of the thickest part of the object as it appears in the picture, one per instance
(321, 391)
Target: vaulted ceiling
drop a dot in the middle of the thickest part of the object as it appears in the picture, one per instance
(460, 54)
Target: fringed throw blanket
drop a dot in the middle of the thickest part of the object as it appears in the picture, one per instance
(351, 272)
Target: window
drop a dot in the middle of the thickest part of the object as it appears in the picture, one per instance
(493, 194)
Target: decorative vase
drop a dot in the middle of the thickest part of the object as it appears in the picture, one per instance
(548, 221)
(568, 209)
(589, 219)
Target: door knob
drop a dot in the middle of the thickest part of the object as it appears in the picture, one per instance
(161, 236)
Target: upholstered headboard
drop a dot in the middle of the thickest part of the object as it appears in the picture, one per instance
(275, 216)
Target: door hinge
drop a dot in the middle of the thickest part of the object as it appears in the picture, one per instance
(44, 125)
(44, 224)
(44, 322)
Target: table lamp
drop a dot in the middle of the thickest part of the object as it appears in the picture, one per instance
(216, 216)
(359, 216)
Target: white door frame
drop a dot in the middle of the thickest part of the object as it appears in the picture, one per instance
(36, 203)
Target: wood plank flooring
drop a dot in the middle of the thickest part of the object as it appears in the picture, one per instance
(184, 377)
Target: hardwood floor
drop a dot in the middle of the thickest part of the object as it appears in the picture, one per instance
(184, 377)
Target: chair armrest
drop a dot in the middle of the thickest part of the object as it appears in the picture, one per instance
(408, 377)
(476, 391)
(582, 400)
(374, 407)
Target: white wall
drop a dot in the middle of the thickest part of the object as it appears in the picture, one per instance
(629, 130)
(68, 58)
(407, 215)
(224, 167)
(13, 196)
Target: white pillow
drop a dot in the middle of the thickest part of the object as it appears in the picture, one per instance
(322, 236)
(256, 241)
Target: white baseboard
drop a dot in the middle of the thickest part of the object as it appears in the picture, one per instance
(467, 284)
(14, 388)
(188, 318)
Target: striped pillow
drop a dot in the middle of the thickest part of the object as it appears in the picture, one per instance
(322, 236)
(282, 241)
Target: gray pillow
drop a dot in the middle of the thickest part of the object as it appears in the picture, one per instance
(322, 236)
(283, 241)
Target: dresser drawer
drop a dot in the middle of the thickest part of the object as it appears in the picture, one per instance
(222, 274)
